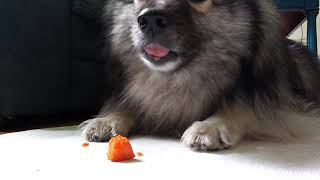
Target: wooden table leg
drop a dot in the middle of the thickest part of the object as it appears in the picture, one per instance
(312, 30)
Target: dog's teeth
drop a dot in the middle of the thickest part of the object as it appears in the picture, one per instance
(156, 58)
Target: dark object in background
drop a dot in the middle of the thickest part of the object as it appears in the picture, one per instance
(51, 60)
(310, 8)
(290, 21)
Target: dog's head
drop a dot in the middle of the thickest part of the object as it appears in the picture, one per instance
(168, 34)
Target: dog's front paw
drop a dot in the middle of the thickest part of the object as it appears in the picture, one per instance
(209, 136)
(102, 129)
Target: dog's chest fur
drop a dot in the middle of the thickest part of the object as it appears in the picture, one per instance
(170, 100)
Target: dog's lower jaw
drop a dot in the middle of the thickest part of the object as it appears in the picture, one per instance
(220, 131)
(169, 66)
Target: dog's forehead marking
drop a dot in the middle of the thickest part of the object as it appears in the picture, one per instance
(160, 3)
(201, 7)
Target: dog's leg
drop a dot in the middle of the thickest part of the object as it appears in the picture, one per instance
(222, 130)
(103, 128)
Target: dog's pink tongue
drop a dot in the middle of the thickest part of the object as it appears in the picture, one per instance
(157, 50)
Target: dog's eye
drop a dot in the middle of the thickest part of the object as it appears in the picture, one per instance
(197, 1)
(128, 1)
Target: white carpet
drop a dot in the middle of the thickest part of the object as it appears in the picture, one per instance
(57, 154)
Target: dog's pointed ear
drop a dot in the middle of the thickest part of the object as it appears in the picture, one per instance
(201, 6)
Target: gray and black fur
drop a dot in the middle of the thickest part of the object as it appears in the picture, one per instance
(231, 75)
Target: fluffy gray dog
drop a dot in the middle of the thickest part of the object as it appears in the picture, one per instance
(209, 71)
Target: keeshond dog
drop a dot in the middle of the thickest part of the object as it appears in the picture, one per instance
(209, 71)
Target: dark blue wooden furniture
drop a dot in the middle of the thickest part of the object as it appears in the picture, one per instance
(311, 10)
(51, 62)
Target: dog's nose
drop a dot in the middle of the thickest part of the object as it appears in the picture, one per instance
(152, 20)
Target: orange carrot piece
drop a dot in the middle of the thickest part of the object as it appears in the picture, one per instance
(120, 149)
(85, 145)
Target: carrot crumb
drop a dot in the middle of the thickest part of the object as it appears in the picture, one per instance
(139, 154)
(85, 144)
